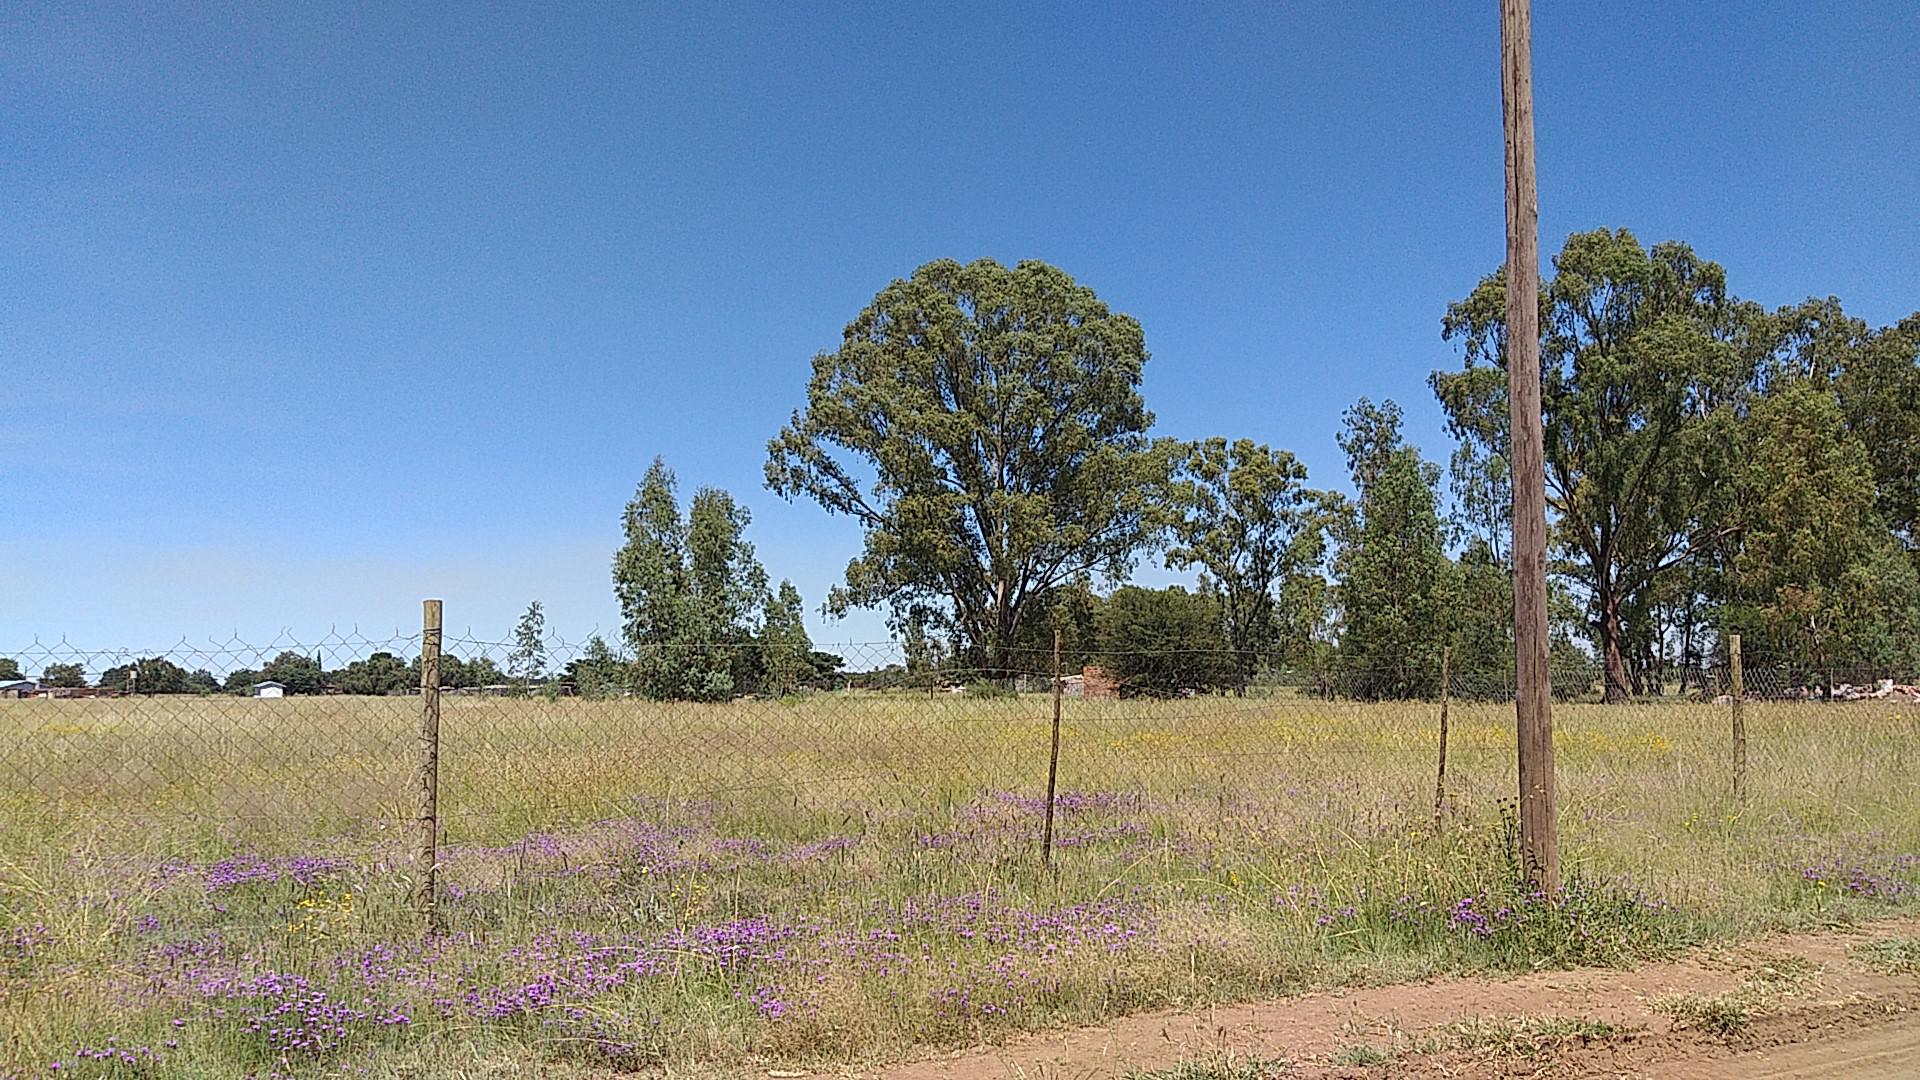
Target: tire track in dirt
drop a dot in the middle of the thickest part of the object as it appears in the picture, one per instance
(1873, 1054)
(1826, 1016)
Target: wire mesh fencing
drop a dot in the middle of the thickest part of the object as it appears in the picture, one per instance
(574, 851)
(236, 746)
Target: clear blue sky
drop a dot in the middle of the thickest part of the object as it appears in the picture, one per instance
(308, 313)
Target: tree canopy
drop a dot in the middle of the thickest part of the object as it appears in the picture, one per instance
(1711, 467)
(379, 673)
(1813, 572)
(691, 591)
(528, 661)
(299, 673)
(984, 425)
(1395, 582)
(1248, 522)
(1158, 642)
(1643, 354)
(64, 676)
(787, 651)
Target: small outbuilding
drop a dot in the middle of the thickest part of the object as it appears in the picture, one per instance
(1098, 682)
(269, 689)
(21, 688)
(66, 693)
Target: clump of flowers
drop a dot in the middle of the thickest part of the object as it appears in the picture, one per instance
(294, 1020)
(1887, 879)
(1585, 922)
(576, 1033)
(22, 944)
(769, 1002)
(1470, 914)
(237, 871)
(817, 850)
(111, 1059)
(321, 914)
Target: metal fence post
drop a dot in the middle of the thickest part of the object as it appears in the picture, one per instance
(426, 897)
(1053, 758)
(1739, 718)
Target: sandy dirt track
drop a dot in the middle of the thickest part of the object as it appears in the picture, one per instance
(1812, 1008)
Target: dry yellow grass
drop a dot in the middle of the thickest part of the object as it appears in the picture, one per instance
(1251, 845)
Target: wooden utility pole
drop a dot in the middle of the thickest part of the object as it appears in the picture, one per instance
(1539, 842)
(427, 856)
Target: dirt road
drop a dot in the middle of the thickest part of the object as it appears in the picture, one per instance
(1806, 1005)
(1875, 1053)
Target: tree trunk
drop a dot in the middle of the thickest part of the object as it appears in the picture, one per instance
(1612, 654)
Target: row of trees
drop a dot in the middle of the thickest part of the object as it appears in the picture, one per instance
(1360, 593)
(1713, 467)
(378, 673)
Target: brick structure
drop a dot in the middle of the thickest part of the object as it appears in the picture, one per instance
(1098, 682)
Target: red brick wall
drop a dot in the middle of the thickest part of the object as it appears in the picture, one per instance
(1100, 682)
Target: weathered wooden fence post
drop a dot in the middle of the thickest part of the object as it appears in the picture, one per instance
(427, 857)
(1739, 717)
(1053, 758)
(1440, 778)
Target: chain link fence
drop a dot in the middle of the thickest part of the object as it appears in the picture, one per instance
(292, 744)
(290, 858)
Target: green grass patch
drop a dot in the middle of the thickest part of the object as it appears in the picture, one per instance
(1519, 1036)
(1362, 1056)
(1220, 1067)
(1890, 956)
(1723, 1015)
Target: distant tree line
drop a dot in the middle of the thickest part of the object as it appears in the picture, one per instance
(1712, 467)
(378, 673)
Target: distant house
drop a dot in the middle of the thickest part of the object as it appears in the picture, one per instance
(19, 689)
(269, 689)
(490, 690)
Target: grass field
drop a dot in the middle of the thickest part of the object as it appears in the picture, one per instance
(216, 887)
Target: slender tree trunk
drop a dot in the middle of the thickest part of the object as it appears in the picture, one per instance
(1689, 659)
(1612, 652)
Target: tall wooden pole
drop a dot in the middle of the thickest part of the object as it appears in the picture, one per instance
(426, 898)
(1539, 843)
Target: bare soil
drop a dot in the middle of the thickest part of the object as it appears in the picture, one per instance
(1803, 1006)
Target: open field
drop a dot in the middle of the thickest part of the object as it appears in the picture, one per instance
(214, 887)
